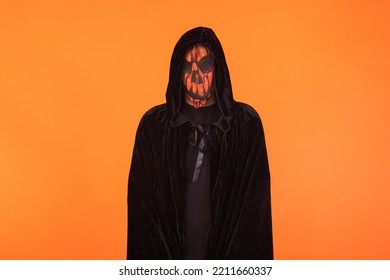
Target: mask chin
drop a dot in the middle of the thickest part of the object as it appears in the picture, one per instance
(197, 96)
(195, 102)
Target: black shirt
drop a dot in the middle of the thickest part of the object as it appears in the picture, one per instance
(197, 216)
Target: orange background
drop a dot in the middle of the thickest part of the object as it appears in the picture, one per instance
(76, 77)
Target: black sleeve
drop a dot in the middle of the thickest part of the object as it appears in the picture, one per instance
(142, 222)
(261, 198)
(254, 233)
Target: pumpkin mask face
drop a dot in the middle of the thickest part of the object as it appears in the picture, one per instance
(198, 73)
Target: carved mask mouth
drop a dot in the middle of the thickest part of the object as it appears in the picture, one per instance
(198, 73)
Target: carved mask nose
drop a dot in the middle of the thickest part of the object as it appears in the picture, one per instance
(196, 77)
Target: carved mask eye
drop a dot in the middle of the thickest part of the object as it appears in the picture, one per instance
(206, 64)
(187, 67)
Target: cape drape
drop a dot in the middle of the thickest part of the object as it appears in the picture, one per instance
(240, 199)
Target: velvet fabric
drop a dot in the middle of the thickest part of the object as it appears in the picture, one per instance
(241, 224)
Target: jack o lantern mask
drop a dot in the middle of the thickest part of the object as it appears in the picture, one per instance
(198, 73)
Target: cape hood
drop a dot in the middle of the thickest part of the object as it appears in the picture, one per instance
(223, 88)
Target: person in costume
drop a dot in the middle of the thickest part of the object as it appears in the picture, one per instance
(199, 181)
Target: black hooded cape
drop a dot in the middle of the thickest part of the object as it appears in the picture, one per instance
(240, 202)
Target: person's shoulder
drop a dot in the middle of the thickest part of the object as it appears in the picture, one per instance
(249, 119)
(154, 116)
(246, 112)
(157, 111)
